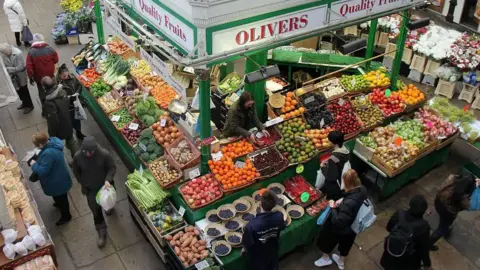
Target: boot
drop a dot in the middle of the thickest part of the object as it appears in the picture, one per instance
(80, 135)
(102, 237)
(109, 212)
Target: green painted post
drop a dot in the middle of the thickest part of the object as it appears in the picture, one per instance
(204, 119)
(99, 22)
(371, 40)
(257, 89)
(397, 62)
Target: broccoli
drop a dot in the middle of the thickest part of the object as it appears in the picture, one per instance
(146, 133)
(144, 141)
(140, 109)
(150, 148)
(152, 141)
(158, 150)
(145, 156)
(158, 113)
(137, 150)
(153, 156)
(147, 105)
(148, 120)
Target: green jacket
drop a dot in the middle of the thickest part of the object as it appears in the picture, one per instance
(238, 121)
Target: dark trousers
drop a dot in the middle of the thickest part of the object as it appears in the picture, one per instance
(327, 240)
(446, 221)
(24, 95)
(17, 38)
(96, 209)
(77, 124)
(62, 203)
(41, 91)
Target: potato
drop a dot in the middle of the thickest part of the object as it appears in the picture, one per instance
(173, 243)
(194, 261)
(201, 248)
(194, 249)
(202, 242)
(178, 243)
(182, 259)
(168, 237)
(187, 242)
(177, 251)
(176, 236)
(190, 256)
(186, 264)
(197, 232)
(194, 241)
(187, 249)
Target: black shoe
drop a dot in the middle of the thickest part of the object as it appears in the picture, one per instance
(21, 107)
(19, 43)
(434, 248)
(62, 221)
(109, 212)
(28, 110)
(80, 136)
(27, 44)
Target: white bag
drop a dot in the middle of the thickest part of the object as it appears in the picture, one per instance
(20, 249)
(9, 251)
(28, 242)
(34, 229)
(9, 235)
(80, 113)
(39, 239)
(365, 217)
(107, 198)
(320, 179)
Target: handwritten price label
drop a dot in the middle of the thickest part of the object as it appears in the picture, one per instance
(163, 122)
(133, 126)
(341, 102)
(115, 118)
(217, 156)
(194, 173)
(202, 265)
(309, 99)
(142, 146)
(274, 121)
(181, 211)
(239, 164)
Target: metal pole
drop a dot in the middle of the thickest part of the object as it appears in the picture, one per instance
(371, 40)
(203, 79)
(397, 62)
(257, 89)
(99, 21)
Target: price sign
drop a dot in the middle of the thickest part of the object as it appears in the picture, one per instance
(309, 99)
(181, 211)
(121, 93)
(142, 146)
(163, 122)
(133, 126)
(217, 156)
(299, 169)
(145, 96)
(259, 135)
(304, 197)
(115, 118)
(160, 67)
(202, 265)
(194, 173)
(129, 93)
(341, 102)
(353, 81)
(322, 123)
(274, 121)
(388, 92)
(177, 87)
(239, 164)
(140, 170)
(128, 41)
(145, 56)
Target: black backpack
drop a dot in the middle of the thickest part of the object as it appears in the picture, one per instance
(399, 243)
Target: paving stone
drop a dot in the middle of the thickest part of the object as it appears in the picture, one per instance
(465, 239)
(50, 214)
(448, 258)
(64, 260)
(111, 262)
(78, 199)
(121, 228)
(141, 255)
(23, 121)
(81, 238)
(371, 237)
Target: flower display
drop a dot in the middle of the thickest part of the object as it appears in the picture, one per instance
(436, 42)
(463, 52)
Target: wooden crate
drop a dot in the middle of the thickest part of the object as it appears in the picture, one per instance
(382, 40)
(415, 75)
(388, 62)
(389, 171)
(429, 80)
(445, 142)
(407, 56)
(446, 89)
(391, 47)
(476, 103)
(468, 93)
(418, 63)
(363, 150)
(431, 68)
(73, 40)
(351, 30)
(427, 150)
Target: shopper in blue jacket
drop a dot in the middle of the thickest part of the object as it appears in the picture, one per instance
(51, 169)
(261, 235)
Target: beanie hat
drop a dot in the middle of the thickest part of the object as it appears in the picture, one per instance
(418, 206)
(89, 144)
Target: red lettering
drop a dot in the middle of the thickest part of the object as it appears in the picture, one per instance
(272, 29)
(242, 37)
(262, 32)
(252, 35)
(167, 21)
(282, 27)
(294, 23)
(303, 21)
(344, 10)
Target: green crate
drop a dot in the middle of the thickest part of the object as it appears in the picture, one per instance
(286, 56)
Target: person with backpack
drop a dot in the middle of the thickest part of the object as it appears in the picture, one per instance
(333, 167)
(407, 245)
(453, 197)
(337, 229)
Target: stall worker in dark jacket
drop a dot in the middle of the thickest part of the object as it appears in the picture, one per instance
(51, 169)
(15, 65)
(71, 86)
(241, 115)
(93, 167)
(57, 112)
(332, 168)
(453, 197)
(337, 228)
(261, 235)
(420, 230)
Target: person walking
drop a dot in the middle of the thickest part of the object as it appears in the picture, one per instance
(71, 86)
(15, 65)
(57, 112)
(51, 170)
(16, 18)
(337, 228)
(261, 235)
(41, 61)
(333, 167)
(452, 198)
(93, 168)
(407, 246)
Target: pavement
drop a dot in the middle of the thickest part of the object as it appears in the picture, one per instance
(127, 248)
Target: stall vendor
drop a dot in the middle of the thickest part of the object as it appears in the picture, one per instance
(240, 116)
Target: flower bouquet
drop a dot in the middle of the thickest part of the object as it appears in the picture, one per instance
(436, 42)
(463, 52)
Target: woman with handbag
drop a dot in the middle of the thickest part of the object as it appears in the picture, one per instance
(15, 65)
(16, 18)
(337, 230)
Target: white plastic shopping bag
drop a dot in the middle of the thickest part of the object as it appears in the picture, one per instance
(80, 113)
(20, 249)
(9, 235)
(9, 251)
(28, 242)
(107, 197)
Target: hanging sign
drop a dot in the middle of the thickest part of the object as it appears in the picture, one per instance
(274, 28)
(166, 22)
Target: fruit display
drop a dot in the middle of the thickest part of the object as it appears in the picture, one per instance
(232, 225)
(265, 141)
(275, 84)
(165, 131)
(88, 77)
(182, 152)
(123, 116)
(230, 83)
(166, 219)
(368, 141)
(188, 246)
(99, 88)
(377, 79)
(395, 156)
(290, 103)
(234, 238)
(146, 190)
(226, 213)
(451, 112)
(147, 111)
(147, 148)
(383, 136)
(213, 217)
(319, 137)
(230, 176)
(149, 81)
(434, 126)
(222, 249)
(294, 145)
(109, 103)
(411, 131)
(345, 119)
(411, 94)
(312, 100)
(163, 94)
(130, 134)
(318, 117)
(201, 191)
(296, 186)
(237, 149)
(117, 46)
(369, 114)
(164, 172)
(213, 232)
(268, 161)
(390, 105)
(140, 68)
(131, 99)
(247, 217)
(331, 88)
(355, 83)
(317, 207)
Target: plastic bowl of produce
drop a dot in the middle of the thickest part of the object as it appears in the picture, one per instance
(276, 188)
(242, 206)
(214, 230)
(234, 238)
(221, 248)
(295, 211)
(212, 216)
(226, 212)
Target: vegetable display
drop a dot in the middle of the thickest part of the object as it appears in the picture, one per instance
(345, 119)
(139, 68)
(201, 191)
(275, 84)
(163, 94)
(165, 131)
(114, 67)
(117, 46)
(187, 245)
(331, 88)
(147, 111)
(130, 134)
(411, 131)
(164, 172)
(132, 99)
(147, 148)
(368, 141)
(109, 103)
(88, 77)
(294, 145)
(434, 126)
(230, 84)
(99, 88)
(166, 218)
(124, 119)
(181, 153)
(146, 190)
(149, 81)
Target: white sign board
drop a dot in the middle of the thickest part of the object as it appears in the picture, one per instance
(353, 9)
(278, 27)
(117, 31)
(166, 22)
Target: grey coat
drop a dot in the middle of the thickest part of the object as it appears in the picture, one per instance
(15, 64)
(92, 172)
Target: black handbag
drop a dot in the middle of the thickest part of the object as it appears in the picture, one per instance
(33, 177)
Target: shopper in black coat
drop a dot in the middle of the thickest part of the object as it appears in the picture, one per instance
(337, 228)
(333, 167)
(420, 230)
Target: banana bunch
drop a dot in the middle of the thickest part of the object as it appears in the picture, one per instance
(71, 5)
(78, 58)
